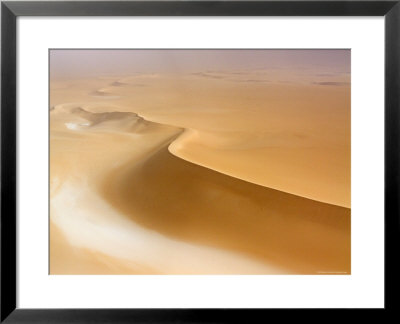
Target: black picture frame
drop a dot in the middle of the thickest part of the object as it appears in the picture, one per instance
(11, 10)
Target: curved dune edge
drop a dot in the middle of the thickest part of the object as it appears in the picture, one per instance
(171, 216)
(213, 108)
(184, 139)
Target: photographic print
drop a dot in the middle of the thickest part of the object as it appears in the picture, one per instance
(200, 161)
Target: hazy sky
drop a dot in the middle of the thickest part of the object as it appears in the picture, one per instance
(65, 63)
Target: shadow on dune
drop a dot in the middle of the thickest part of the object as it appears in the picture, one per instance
(195, 204)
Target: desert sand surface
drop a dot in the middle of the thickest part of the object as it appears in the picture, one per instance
(199, 171)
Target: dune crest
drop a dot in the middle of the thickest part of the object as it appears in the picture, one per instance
(268, 133)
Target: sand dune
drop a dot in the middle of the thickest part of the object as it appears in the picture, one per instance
(269, 133)
(118, 84)
(193, 203)
(140, 209)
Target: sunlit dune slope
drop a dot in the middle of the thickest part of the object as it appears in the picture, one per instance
(193, 203)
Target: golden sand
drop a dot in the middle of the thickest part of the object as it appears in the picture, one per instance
(189, 174)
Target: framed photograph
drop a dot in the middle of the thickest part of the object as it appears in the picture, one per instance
(198, 161)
